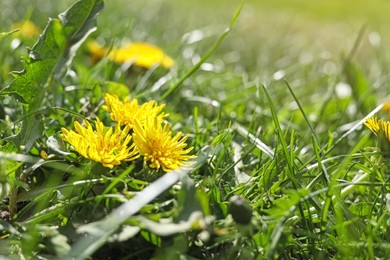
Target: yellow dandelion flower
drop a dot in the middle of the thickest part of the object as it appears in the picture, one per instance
(385, 127)
(97, 52)
(125, 113)
(140, 54)
(156, 144)
(27, 30)
(106, 147)
(381, 129)
(386, 106)
(373, 124)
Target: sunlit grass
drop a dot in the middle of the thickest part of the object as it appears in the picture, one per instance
(272, 111)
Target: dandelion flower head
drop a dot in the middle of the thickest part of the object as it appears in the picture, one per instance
(140, 54)
(386, 106)
(381, 129)
(374, 124)
(108, 147)
(97, 52)
(125, 113)
(156, 144)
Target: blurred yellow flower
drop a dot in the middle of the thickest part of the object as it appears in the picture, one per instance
(140, 54)
(125, 113)
(156, 145)
(380, 128)
(97, 52)
(386, 106)
(27, 30)
(106, 147)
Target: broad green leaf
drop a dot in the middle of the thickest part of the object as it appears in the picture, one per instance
(47, 62)
(53, 52)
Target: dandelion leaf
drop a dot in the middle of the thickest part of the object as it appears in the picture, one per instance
(47, 62)
(52, 54)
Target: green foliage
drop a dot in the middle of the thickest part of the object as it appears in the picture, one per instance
(51, 56)
(285, 169)
(47, 62)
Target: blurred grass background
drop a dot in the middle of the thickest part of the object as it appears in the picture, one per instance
(332, 23)
(333, 54)
(308, 44)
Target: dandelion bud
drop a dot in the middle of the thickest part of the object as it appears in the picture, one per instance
(240, 209)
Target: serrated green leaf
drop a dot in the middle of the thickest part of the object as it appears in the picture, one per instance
(47, 62)
(80, 22)
(53, 52)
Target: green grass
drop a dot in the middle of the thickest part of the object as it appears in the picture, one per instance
(273, 108)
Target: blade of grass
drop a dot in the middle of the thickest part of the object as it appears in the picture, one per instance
(282, 140)
(289, 156)
(4, 34)
(316, 141)
(353, 128)
(205, 57)
(114, 182)
(334, 194)
(356, 44)
(86, 246)
(327, 150)
(259, 144)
